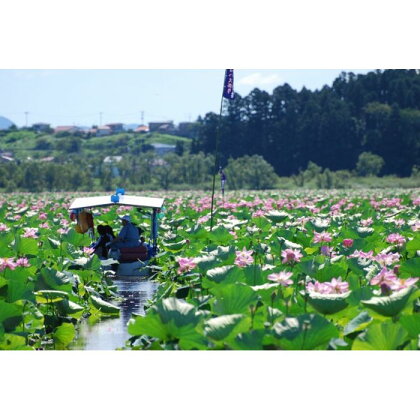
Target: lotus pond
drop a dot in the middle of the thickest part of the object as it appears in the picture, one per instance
(301, 270)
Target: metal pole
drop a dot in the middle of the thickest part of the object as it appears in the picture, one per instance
(215, 163)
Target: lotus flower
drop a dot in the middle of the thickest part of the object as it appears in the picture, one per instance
(385, 276)
(22, 262)
(30, 233)
(282, 278)
(396, 238)
(337, 286)
(244, 258)
(290, 256)
(322, 237)
(185, 265)
(400, 284)
(348, 243)
(7, 263)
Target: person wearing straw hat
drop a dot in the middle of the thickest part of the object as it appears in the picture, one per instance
(128, 237)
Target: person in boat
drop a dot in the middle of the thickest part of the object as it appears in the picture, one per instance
(101, 246)
(128, 237)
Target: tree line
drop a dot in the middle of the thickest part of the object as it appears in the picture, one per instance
(376, 113)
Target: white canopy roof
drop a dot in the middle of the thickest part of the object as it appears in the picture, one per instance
(125, 200)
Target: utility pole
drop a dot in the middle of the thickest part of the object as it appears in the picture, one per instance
(142, 117)
(26, 118)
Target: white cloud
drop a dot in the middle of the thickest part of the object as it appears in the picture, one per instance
(256, 79)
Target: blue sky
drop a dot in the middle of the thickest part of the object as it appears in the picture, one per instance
(65, 97)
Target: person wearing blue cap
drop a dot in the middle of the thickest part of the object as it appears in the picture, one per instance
(128, 237)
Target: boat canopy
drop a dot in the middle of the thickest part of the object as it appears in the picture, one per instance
(123, 200)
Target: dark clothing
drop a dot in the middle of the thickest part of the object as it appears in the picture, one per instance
(101, 246)
(128, 237)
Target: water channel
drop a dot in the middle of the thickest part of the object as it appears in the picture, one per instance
(111, 333)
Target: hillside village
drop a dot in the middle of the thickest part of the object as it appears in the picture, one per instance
(162, 138)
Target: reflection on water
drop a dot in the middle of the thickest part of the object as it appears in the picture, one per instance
(111, 333)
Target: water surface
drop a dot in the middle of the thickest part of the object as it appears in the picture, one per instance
(111, 333)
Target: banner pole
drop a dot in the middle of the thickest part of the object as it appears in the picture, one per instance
(216, 162)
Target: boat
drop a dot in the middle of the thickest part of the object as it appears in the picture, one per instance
(132, 262)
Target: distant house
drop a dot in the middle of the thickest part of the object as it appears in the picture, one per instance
(116, 128)
(47, 159)
(162, 149)
(166, 127)
(103, 130)
(158, 162)
(6, 158)
(142, 129)
(113, 160)
(72, 129)
(41, 127)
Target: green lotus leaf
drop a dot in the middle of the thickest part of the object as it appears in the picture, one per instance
(26, 246)
(225, 326)
(276, 216)
(225, 274)
(389, 305)
(252, 340)
(175, 246)
(10, 315)
(410, 268)
(411, 324)
(306, 332)
(206, 262)
(65, 333)
(50, 296)
(170, 319)
(328, 304)
(381, 336)
(67, 307)
(104, 306)
(360, 322)
(234, 299)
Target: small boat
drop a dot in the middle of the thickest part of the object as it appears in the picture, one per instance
(132, 262)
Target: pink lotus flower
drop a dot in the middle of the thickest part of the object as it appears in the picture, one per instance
(361, 254)
(44, 225)
(17, 217)
(396, 238)
(203, 219)
(258, 213)
(400, 284)
(337, 286)
(62, 231)
(322, 237)
(385, 277)
(3, 228)
(282, 278)
(7, 263)
(348, 243)
(43, 216)
(88, 251)
(22, 262)
(290, 256)
(185, 264)
(317, 287)
(244, 258)
(30, 233)
(366, 222)
(415, 227)
(387, 259)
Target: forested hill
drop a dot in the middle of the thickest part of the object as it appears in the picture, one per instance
(378, 112)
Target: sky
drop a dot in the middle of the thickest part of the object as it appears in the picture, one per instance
(91, 97)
